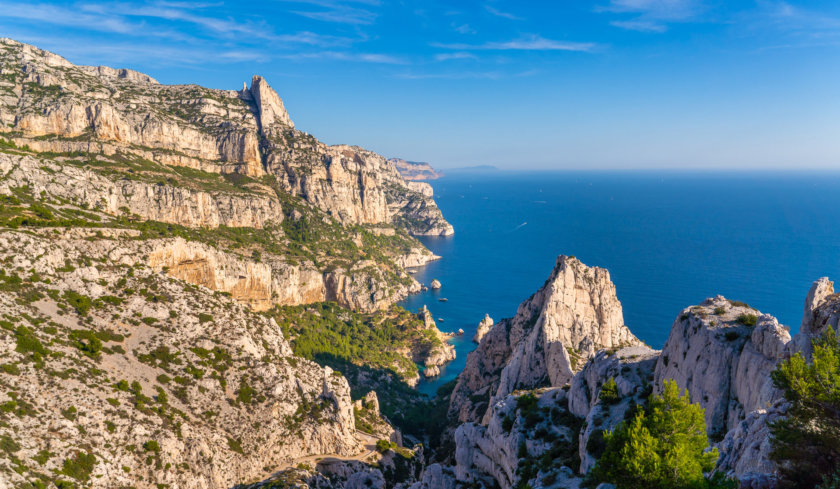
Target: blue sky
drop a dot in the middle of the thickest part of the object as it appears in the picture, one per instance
(550, 84)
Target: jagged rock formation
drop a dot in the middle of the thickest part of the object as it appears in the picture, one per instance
(484, 327)
(745, 451)
(415, 170)
(822, 310)
(370, 420)
(723, 353)
(115, 363)
(52, 105)
(552, 334)
(442, 354)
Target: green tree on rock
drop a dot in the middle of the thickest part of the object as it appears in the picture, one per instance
(661, 447)
(806, 443)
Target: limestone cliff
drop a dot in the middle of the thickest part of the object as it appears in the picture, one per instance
(723, 352)
(574, 314)
(415, 170)
(51, 105)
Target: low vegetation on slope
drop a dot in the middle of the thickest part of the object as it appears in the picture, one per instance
(376, 351)
(331, 335)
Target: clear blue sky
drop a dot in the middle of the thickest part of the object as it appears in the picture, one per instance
(550, 84)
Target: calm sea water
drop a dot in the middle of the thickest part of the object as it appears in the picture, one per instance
(669, 240)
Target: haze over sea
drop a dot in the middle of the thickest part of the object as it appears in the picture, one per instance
(669, 240)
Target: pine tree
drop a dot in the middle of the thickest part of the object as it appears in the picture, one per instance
(662, 447)
(806, 443)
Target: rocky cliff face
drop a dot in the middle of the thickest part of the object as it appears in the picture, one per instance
(160, 201)
(52, 105)
(632, 370)
(723, 353)
(553, 333)
(129, 377)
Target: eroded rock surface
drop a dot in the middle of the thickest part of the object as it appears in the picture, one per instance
(723, 353)
(553, 333)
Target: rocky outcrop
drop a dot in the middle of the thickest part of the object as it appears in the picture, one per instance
(49, 104)
(369, 417)
(632, 371)
(440, 354)
(435, 476)
(745, 451)
(270, 109)
(435, 284)
(553, 333)
(415, 170)
(484, 327)
(723, 353)
(822, 310)
(520, 430)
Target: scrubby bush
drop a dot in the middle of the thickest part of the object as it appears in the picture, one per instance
(609, 392)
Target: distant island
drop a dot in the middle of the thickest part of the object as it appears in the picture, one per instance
(476, 168)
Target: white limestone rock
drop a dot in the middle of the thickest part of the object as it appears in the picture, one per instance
(484, 327)
(722, 360)
(553, 333)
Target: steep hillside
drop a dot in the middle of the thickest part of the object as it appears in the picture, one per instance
(115, 374)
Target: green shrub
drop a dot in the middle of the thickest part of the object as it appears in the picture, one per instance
(235, 445)
(28, 343)
(151, 446)
(245, 392)
(79, 466)
(87, 342)
(609, 392)
(747, 319)
(383, 446)
(10, 368)
(81, 303)
(204, 317)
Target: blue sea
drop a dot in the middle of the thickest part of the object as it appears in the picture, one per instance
(669, 240)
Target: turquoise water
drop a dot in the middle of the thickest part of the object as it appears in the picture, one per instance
(669, 240)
